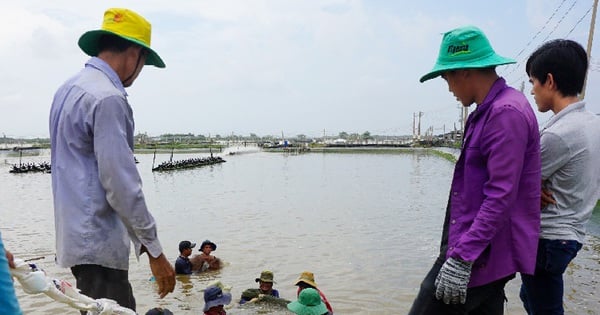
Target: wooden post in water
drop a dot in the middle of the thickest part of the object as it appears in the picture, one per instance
(210, 145)
(589, 46)
(154, 158)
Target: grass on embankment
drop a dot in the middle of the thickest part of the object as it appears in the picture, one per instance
(383, 150)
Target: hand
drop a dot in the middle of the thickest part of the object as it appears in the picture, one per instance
(163, 273)
(546, 198)
(258, 298)
(10, 258)
(451, 282)
(215, 263)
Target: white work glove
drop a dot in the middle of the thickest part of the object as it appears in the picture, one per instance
(451, 282)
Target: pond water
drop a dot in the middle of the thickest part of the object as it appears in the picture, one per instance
(368, 225)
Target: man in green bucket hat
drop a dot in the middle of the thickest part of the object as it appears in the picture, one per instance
(309, 303)
(99, 205)
(492, 219)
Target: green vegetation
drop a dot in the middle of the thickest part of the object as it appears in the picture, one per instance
(351, 143)
(319, 148)
(370, 150)
(448, 156)
(10, 143)
(177, 146)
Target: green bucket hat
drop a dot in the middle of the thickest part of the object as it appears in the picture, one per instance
(465, 48)
(309, 303)
(126, 24)
(266, 276)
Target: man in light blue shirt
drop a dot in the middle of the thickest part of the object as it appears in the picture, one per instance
(570, 154)
(98, 200)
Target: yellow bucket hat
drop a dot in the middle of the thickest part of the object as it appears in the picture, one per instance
(126, 24)
(306, 277)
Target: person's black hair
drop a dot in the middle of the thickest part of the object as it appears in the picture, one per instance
(159, 311)
(565, 59)
(305, 285)
(114, 43)
(489, 69)
(486, 70)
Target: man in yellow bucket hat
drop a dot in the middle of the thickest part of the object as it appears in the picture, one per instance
(99, 205)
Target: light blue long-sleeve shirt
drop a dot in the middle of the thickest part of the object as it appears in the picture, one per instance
(99, 206)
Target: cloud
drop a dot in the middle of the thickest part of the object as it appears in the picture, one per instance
(263, 66)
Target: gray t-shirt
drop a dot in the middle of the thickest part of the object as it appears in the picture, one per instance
(570, 144)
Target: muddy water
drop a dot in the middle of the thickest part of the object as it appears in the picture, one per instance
(367, 225)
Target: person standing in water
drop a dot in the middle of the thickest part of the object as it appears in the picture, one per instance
(183, 265)
(205, 261)
(265, 287)
(307, 280)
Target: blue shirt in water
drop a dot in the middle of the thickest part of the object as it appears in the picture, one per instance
(8, 300)
(183, 266)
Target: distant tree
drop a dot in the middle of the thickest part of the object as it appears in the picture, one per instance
(141, 138)
(343, 135)
(366, 135)
(354, 136)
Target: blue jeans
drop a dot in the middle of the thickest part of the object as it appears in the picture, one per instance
(487, 299)
(542, 293)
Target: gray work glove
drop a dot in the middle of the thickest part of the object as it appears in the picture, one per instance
(451, 282)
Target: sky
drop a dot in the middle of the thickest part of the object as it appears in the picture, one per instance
(272, 67)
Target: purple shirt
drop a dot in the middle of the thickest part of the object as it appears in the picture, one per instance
(495, 196)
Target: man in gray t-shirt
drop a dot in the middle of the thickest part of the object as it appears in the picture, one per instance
(570, 151)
